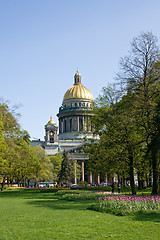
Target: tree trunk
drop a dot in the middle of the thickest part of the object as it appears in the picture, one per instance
(24, 182)
(147, 181)
(36, 183)
(8, 181)
(150, 178)
(159, 184)
(11, 181)
(18, 183)
(3, 183)
(124, 182)
(155, 171)
(131, 173)
(140, 183)
(28, 182)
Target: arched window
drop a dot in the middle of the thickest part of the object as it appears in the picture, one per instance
(51, 134)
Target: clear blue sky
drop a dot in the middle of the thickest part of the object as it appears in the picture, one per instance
(43, 42)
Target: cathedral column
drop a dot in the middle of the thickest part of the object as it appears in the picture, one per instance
(89, 124)
(83, 124)
(63, 124)
(77, 123)
(98, 178)
(82, 170)
(90, 177)
(75, 172)
(106, 179)
(47, 133)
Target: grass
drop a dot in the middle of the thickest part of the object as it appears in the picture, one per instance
(36, 214)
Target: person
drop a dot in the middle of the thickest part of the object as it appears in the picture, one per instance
(112, 186)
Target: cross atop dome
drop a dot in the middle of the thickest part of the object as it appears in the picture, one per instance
(77, 78)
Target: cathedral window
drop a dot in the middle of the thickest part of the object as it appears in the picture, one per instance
(51, 137)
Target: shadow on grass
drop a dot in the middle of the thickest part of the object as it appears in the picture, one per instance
(148, 216)
(29, 193)
(56, 204)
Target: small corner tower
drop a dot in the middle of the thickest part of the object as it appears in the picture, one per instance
(51, 131)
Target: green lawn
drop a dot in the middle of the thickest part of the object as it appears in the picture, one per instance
(39, 214)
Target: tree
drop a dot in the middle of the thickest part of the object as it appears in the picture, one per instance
(9, 119)
(56, 161)
(3, 149)
(66, 171)
(18, 160)
(10, 132)
(139, 76)
(44, 169)
(154, 150)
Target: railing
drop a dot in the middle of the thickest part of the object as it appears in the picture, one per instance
(62, 109)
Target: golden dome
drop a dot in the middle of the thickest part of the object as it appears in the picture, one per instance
(77, 90)
(51, 121)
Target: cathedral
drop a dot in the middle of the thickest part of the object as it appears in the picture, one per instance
(75, 128)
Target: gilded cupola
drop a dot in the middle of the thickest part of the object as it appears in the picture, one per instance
(51, 122)
(77, 91)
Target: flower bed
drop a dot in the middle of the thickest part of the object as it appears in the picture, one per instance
(78, 195)
(125, 203)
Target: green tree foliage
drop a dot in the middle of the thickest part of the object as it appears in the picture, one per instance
(19, 161)
(67, 169)
(125, 116)
(9, 119)
(56, 161)
(44, 168)
(10, 133)
(3, 149)
(140, 77)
